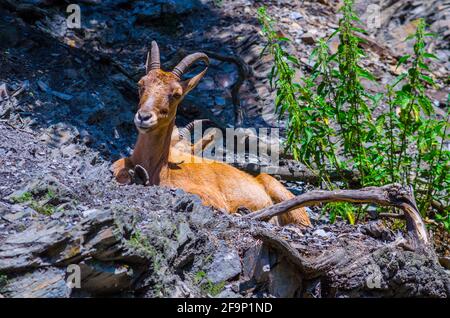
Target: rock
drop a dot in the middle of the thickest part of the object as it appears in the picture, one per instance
(89, 213)
(284, 280)
(4, 208)
(200, 216)
(220, 101)
(257, 263)
(294, 15)
(378, 230)
(42, 283)
(45, 88)
(71, 73)
(262, 266)
(10, 36)
(12, 217)
(228, 294)
(86, 138)
(59, 134)
(321, 233)
(150, 10)
(226, 265)
(184, 233)
(70, 151)
(308, 38)
(48, 188)
(103, 278)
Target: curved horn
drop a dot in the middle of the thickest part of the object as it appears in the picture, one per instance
(186, 130)
(153, 60)
(185, 63)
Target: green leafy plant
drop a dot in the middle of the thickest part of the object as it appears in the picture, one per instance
(45, 209)
(24, 197)
(206, 285)
(40, 207)
(140, 242)
(199, 276)
(211, 288)
(333, 122)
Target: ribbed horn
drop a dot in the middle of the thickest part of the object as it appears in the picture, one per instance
(186, 130)
(153, 61)
(188, 61)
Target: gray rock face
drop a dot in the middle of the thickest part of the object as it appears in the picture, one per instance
(149, 10)
(42, 283)
(143, 250)
(226, 265)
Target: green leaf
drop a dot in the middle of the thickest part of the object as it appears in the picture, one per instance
(283, 39)
(427, 79)
(293, 59)
(430, 56)
(333, 34)
(398, 79)
(423, 66)
(426, 105)
(332, 57)
(365, 74)
(377, 98)
(356, 29)
(309, 134)
(410, 37)
(350, 217)
(403, 60)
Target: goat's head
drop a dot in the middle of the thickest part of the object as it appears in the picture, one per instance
(160, 92)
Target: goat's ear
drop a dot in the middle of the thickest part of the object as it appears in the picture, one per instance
(190, 84)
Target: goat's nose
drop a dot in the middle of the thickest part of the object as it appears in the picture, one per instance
(144, 116)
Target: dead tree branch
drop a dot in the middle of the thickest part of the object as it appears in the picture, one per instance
(390, 195)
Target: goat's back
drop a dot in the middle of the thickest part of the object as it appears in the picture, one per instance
(218, 184)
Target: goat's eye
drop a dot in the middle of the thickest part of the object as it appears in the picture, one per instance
(176, 95)
(164, 112)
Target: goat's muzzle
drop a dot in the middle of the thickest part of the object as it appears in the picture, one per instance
(145, 121)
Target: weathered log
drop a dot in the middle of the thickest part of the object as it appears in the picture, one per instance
(348, 265)
(390, 195)
(298, 173)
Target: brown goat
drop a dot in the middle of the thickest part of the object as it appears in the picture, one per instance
(216, 183)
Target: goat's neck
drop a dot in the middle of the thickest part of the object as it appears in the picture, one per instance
(152, 152)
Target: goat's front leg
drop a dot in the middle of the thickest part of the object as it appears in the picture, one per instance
(121, 170)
